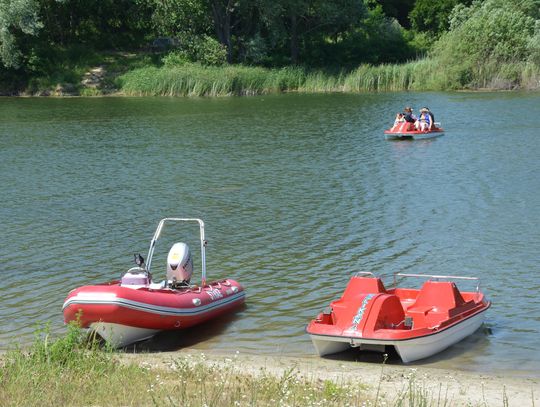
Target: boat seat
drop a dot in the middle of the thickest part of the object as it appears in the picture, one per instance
(358, 286)
(436, 301)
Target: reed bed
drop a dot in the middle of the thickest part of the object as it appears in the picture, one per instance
(197, 80)
(421, 75)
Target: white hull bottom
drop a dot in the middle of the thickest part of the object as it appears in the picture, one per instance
(409, 350)
(419, 136)
(121, 335)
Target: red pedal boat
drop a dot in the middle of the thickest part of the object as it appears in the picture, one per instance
(407, 131)
(418, 323)
(135, 308)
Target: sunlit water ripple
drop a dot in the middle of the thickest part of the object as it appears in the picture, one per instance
(298, 192)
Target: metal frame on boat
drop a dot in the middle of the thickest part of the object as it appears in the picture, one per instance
(157, 234)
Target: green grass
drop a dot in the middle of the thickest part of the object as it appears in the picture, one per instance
(63, 70)
(76, 371)
(198, 80)
(422, 75)
(73, 370)
(67, 371)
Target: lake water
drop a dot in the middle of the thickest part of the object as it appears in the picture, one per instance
(298, 192)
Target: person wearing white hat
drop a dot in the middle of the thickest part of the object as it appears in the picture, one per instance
(424, 123)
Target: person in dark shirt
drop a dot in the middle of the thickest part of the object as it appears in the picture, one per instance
(408, 115)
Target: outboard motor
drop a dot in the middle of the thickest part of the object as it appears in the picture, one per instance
(179, 264)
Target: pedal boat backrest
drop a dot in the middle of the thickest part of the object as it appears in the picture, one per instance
(365, 306)
(436, 302)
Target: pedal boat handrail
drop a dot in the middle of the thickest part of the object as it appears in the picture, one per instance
(157, 233)
(363, 273)
(438, 277)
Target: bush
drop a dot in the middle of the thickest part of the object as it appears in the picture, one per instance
(202, 49)
(483, 40)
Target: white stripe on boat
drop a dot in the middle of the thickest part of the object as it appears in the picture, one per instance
(151, 308)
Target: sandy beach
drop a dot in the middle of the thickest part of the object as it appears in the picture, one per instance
(442, 386)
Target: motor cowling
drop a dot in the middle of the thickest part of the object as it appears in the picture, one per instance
(179, 263)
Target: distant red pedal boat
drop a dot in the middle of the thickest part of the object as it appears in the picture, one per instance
(135, 308)
(418, 323)
(407, 131)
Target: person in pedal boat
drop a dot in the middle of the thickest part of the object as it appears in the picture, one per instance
(424, 123)
(400, 118)
(431, 116)
(408, 115)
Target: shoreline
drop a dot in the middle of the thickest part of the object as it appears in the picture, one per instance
(382, 381)
(376, 383)
(122, 94)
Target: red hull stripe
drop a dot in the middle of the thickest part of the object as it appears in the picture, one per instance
(156, 309)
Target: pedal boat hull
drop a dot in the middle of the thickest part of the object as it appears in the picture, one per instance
(407, 131)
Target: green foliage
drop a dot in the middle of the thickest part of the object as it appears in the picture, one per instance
(533, 46)
(417, 75)
(48, 44)
(103, 24)
(203, 49)
(176, 17)
(278, 32)
(198, 80)
(175, 58)
(332, 391)
(398, 9)
(384, 40)
(483, 40)
(433, 16)
(373, 38)
(420, 43)
(17, 19)
(71, 370)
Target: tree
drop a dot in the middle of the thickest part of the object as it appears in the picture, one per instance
(17, 19)
(398, 9)
(99, 24)
(433, 16)
(377, 39)
(306, 25)
(180, 17)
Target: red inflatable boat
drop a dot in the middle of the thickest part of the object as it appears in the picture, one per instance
(407, 131)
(418, 323)
(134, 308)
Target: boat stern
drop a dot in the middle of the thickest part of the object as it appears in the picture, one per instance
(352, 320)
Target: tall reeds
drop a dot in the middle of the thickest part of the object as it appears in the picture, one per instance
(422, 75)
(197, 80)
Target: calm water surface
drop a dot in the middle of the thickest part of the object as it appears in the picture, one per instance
(298, 192)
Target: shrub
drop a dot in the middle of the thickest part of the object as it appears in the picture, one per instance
(484, 38)
(202, 49)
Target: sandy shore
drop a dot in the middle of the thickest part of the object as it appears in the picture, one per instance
(445, 387)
